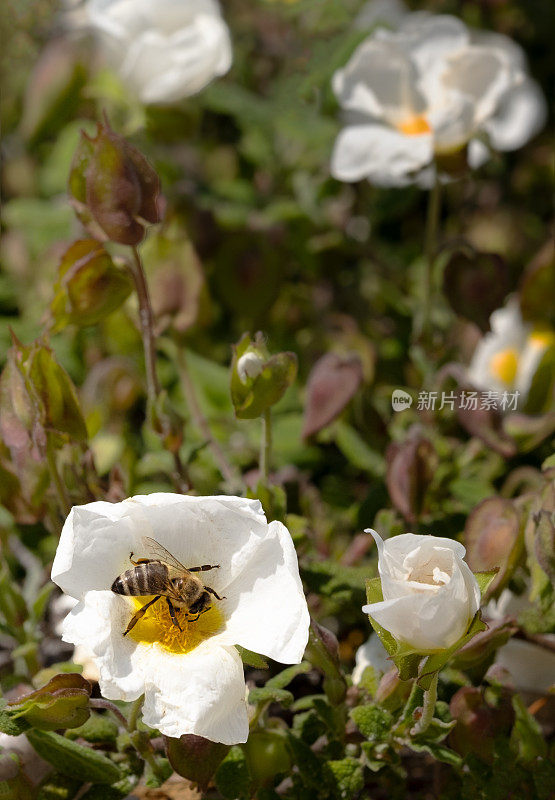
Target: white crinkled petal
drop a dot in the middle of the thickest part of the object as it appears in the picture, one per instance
(202, 692)
(378, 80)
(97, 624)
(507, 331)
(94, 547)
(265, 605)
(520, 115)
(429, 39)
(480, 74)
(383, 155)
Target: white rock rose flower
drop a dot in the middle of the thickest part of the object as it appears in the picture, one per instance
(191, 675)
(430, 596)
(429, 89)
(506, 358)
(165, 50)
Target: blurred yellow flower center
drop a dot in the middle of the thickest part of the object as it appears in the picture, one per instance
(541, 338)
(414, 126)
(156, 626)
(504, 365)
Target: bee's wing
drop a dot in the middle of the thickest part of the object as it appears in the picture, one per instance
(157, 552)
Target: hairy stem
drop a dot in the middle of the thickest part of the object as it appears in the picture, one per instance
(146, 318)
(98, 702)
(265, 446)
(430, 698)
(134, 713)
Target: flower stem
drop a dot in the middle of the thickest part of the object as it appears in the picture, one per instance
(430, 251)
(265, 446)
(61, 492)
(430, 698)
(146, 318)
(99, 702)
(134, 713)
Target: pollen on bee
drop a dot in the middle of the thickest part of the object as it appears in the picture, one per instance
(157, 627)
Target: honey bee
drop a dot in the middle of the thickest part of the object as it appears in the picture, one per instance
(162, 575)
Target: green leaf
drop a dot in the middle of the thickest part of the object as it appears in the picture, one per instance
(285, 677)
(72, 759)
(97, 729)
(526, 736)
(310, 767)
(373, 722)
(439, 752)
(232, 777)
(250, 658)
(347, 777)
(266, 694)
(356, 451)
(9, 724)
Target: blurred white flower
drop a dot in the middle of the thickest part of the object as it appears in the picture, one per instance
(531, 667)
(192, 678)
(506, 358)
(430, 89)
(373, 654)
(165, 50)
(430, 596)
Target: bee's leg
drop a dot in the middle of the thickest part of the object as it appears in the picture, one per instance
(204, 568)
(214, 592)
(138, 614)
(172, 613)
(204, 610)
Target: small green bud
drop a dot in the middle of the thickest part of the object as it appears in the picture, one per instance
(89, 285)
(259, 380)
(267, 756)
(61, 703)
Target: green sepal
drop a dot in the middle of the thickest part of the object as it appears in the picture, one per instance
(485, 579)
(251, 659)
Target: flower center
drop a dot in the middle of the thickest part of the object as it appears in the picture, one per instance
(414, 125)
(504, 365)
(541, 339)
(157, 627)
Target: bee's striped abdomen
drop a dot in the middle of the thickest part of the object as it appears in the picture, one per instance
(144, 579)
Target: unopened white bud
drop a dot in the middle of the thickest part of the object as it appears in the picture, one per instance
(250, 365)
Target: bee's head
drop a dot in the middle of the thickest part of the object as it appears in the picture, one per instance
(201, 604)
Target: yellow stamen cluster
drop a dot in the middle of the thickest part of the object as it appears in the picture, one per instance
(504, 365)
(156, 626)
(414, 126)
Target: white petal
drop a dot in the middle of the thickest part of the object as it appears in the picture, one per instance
(94, 547)
(520, 115)
(380, 12)
(482, 75)
(532, 353)
(429, 39)
(378, 80)
(452, 122)
(265, 607)
(202, 693)
(372, 653)
(383, 155)
(421, 621)
(478, 153)
(97, 624)
(532, 668)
